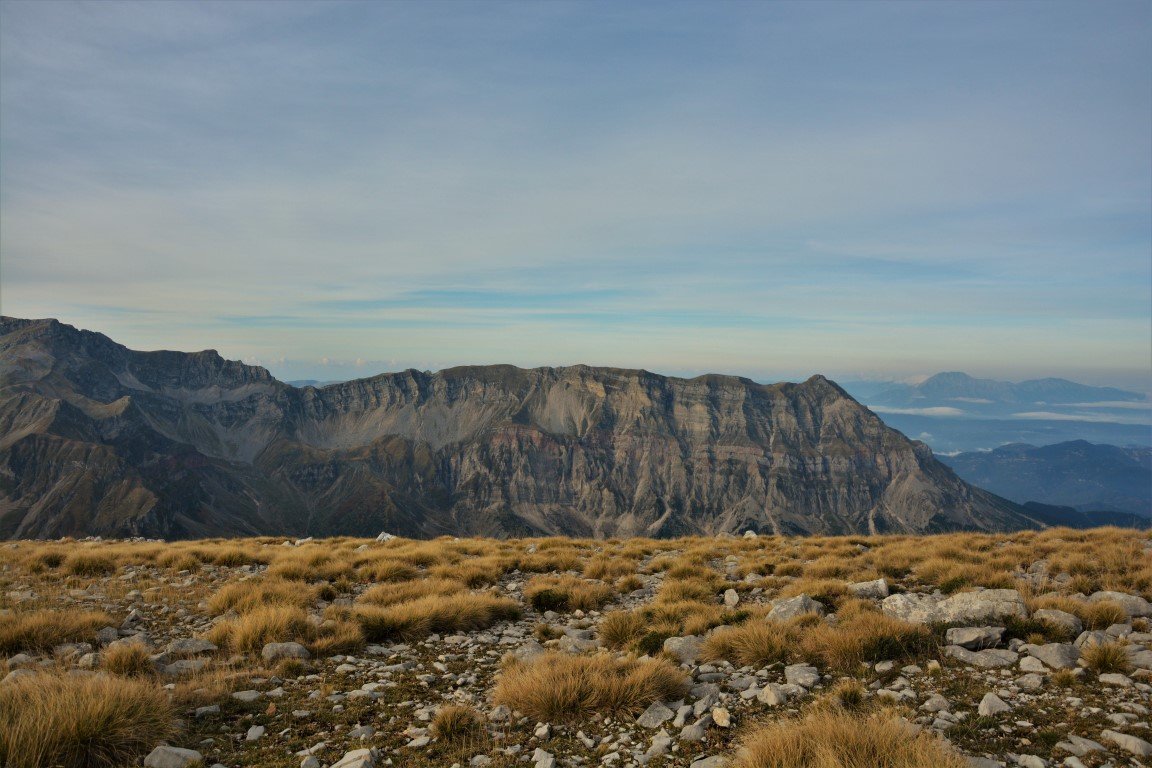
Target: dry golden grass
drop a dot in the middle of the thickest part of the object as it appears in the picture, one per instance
(403, 592)
(473, 573)
(250, 631)
(456, 722)
(827, 738)
(178, 560)
(619, 629)
(566, 593)
(609, 568)
(127, 660)
(90, 563)
(864, 634)
(754, 643)
(436, 613)
(828, 591)
(692, 589)
(40, 630)
(310, 564)
(81, 722)
(558, 687)
(245, 596)
(1106, 657)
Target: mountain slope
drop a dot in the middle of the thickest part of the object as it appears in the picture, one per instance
(1075, 474)
(956, 387)
(97, 438)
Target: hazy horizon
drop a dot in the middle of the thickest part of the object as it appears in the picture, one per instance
(332, 190)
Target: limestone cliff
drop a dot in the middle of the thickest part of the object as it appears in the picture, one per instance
(99, 439)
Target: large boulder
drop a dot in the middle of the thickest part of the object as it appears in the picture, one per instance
(277, 651)
(795, 606)
(974, 638)
(1055, 655)
(685, 648)
(983, 605)
(912, 607)
(1133, 604)
(1069, 622)
(874, 590)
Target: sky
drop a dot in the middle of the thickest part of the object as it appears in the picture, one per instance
(771, 189)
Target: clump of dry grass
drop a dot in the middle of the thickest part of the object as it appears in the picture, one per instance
(178, 560)
(456, 722)
(244, 596)
(249, 632)
(44, 559)
(608, 568)
(435, 613)
(754, 643)
(403, 592)
(40, 630)
(337, 635)
(90, 563)
(310, 565)
(127, 660)
(864, 634)
(828, 738)
(81, 722)
(619, 629)
(566, 593)
(1105, 657)
(473, 573)
(559, 687)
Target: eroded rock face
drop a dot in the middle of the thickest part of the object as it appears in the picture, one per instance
(99, 439)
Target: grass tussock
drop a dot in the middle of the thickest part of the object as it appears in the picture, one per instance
(90, 563)
(829, 738)
(755, 643)
(864, 634)
(245, 596)
(81, 722)
(620, 629)
(249, 632)
(456, 722)
(436, 613)
(558, 687)
(393, 594)
(1106, 657)
(127, 660)
(41, 630)
(566, 593)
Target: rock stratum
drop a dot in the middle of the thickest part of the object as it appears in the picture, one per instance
(98, 439)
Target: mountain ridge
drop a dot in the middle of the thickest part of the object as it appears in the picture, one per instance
(190, 444)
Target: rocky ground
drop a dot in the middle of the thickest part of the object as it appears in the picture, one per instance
(997, 697)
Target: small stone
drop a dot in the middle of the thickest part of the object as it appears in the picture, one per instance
(992, 704)
(277, 651)
(254, 733)
(172, 757)
(656, 715)
(722, 717)
(731, 598)
(309, 762)
(247, 696)
(802, 675)
(1117, 679)
(974, 638)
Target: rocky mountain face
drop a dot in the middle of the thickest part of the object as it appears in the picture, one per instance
(99, 439)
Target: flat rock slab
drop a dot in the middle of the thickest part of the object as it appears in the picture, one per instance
(989, 659)
(1129, 743)
(1055, 655)
(795, 606)
(974, 638)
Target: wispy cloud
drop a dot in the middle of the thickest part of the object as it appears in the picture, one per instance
(774, 187)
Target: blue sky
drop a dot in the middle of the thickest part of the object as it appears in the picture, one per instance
(771, 189)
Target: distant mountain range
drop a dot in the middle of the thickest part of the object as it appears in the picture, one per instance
(955, 412)
(1074, 474)
(96, 438)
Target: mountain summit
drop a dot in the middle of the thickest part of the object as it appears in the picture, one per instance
(99, 439)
